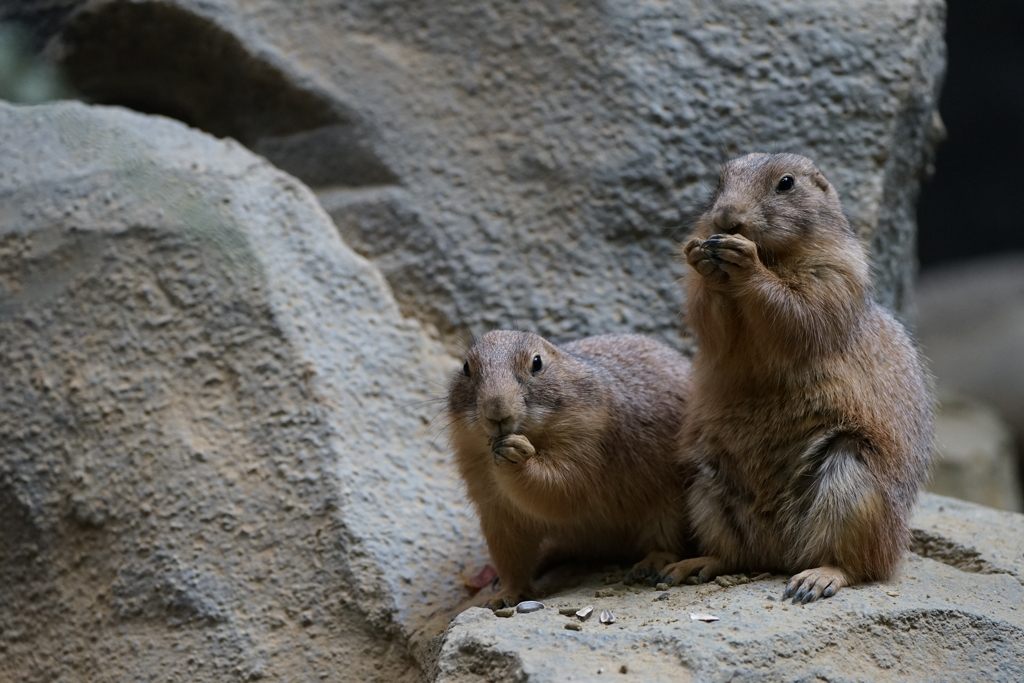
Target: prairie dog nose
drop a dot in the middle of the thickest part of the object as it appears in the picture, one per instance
(729, 219)
(499, 414)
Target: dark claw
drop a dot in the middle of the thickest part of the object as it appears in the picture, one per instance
(790, 588)
(640, 574)
(799, 595)
(807, 598)
(830, 590)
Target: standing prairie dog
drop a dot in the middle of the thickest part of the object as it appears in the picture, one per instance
(570, 451)
(810, 416)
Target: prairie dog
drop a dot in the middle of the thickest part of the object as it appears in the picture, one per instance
(570, 451)
(810, 416)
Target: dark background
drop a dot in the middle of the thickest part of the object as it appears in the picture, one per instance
(972, 206)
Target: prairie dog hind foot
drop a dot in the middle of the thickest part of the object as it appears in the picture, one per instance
(649, 569)
(821, 582)
(706, 568)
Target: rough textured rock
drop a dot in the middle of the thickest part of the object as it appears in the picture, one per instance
(971, 327)
(976, 458)
(216, 461)
(535, 160)
(956, 611)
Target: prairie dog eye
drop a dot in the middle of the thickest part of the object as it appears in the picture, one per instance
(465, 369)
(537, 366)
(786, 183)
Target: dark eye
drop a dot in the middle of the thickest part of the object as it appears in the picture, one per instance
(786, 184)
(465, 369)
(537, 364)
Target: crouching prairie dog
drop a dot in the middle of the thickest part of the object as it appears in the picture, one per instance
(569, 452)
(810, 415)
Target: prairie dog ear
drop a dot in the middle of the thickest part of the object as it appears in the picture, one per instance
(818, 179)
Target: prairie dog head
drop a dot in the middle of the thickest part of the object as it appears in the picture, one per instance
(509, 384)
(777, 201)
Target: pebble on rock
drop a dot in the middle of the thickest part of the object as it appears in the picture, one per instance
(504, 612)
(567, 611)
(527, 606)
(573, 626)
(661, 587)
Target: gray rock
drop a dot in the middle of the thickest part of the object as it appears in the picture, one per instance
(954, 612)
(217, 453)
(976, 458)
(217, 459)
(530, 161)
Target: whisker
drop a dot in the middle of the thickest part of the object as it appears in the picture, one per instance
(444, 430)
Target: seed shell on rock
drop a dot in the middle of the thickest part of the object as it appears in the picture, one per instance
(527, 606)
(607, 617)
(695, 616)
(584, 614)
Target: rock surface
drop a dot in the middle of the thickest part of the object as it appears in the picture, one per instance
(216, 456)
(971, 327)
(535, 161)
(956, 611)
(976, 456)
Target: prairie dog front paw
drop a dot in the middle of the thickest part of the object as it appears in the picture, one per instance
(731, 253)
(512, 449)
(701, 261)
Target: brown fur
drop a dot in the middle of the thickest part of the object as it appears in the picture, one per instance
(576, 460)
(811, 413)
